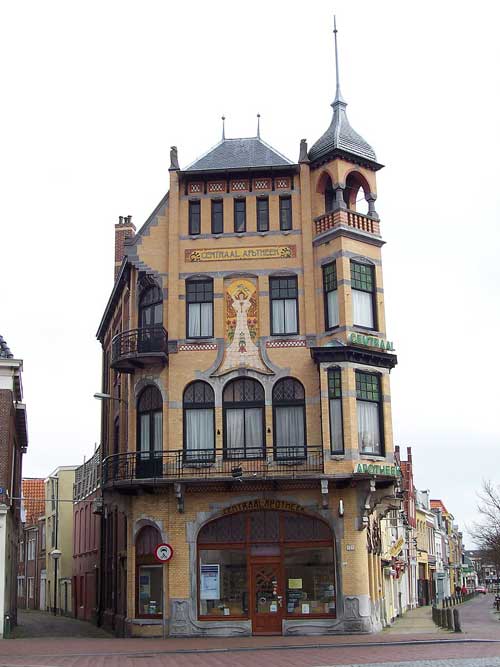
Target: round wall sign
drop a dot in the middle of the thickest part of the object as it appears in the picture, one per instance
(163, 553)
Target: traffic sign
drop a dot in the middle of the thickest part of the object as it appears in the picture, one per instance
(163, 553)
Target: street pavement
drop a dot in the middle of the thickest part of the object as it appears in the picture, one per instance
(409, 643)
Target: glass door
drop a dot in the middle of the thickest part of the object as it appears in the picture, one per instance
(267, 598)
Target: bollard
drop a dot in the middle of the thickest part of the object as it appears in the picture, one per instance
(449, 619)
(440, 617)
(456, 621)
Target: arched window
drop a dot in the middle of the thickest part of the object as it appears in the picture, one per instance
(149, 574)
(289, 412)
(356, 189)
(151, 307)
(244, 421)
(199, 422)
(149, 433)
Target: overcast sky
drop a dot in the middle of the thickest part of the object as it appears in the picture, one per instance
(95, 93)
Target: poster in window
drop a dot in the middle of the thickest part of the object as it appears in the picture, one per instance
(210, 582)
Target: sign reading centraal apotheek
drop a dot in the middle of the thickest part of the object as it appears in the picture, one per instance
(377, 469)
(371, 341)
(231, 254)
(264, 504)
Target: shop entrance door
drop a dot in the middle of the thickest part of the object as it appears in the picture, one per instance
(266, 598)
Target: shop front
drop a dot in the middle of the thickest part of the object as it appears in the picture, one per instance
(266, 567)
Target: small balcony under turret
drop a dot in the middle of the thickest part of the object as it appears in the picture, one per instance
(139, 348)
(345, 218)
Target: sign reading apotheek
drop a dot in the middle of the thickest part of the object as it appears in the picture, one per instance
(231, 254)
(376, 469)
(371, 341)
(263, 504)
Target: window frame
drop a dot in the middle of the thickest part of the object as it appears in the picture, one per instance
(330, 373)
(205, 281)
(209, 405)
(240, 201)
(192, 214)
(243, 405)
(380, 410)
(289, 404)
(157, 300)
(272, 299)
(260, 201)
(146, 560)
(289, 216)
(326, 291)
(151, 412)
(373, 293)
(215, 203)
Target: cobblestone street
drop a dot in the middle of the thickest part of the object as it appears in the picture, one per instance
(412, 641)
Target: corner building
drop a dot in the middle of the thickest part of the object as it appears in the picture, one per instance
(249, 422)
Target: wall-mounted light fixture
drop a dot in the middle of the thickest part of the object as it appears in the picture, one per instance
(341, 507)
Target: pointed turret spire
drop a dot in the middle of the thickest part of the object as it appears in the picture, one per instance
(340, 136)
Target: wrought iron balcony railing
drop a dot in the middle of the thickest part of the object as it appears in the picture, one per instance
(137, 348)
(251, 463)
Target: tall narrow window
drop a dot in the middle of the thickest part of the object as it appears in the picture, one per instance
(217, 216)
(289, 411)
(369, 411)
(335, 409)
(262, 214)
(363, 295)
(151, 307)
(240, 215)
(200, 305)
(199, 422)
(330, 295)
(284, 295)
(243, 406)
(195, 217)
(148, 574)
(285, 214)
(149, 433)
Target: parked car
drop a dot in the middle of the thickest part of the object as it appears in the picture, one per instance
(481, 589)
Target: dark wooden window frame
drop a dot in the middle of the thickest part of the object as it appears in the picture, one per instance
(286, 214)
(151, 412)
(194, 223)
(240, 202)
(262, 202)
(150, 298)
(197, 406)
(380, 403)
(271, 299)
(144, 561)
(330, 373)
(217, 216)
(327, 289)
(243, 405)
(246, 546)
(205, 281)
(289, 404)
(373, 293)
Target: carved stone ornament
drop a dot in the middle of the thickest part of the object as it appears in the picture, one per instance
(174, 160)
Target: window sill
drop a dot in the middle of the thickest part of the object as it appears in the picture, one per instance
(372, 457)
(154, 620)
(337, 457)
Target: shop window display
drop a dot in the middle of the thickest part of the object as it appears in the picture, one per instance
(223, 582)
(310, 581)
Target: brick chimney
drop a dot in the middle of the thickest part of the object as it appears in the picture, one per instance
(124, 229)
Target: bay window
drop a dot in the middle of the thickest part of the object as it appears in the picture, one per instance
(369, 413)
(335, 411)
(330, 295)
(363, 295)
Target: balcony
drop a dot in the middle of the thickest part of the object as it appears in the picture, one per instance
(216, 465)
(346, 218)
(138, 348)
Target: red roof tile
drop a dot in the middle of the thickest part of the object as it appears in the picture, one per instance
(34, 499)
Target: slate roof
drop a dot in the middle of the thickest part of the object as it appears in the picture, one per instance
(340, 136)
(5, 353)
(33, 499)
(245, 153)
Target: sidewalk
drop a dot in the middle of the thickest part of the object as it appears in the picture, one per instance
(416, 621)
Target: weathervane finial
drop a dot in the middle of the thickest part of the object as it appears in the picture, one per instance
(258, 125)
(223, 127)
(338, 94)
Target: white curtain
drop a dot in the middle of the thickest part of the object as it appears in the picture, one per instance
(290, 437)
(368, 427)
(194, 316)
(158, 434)
(206, 319)
(199, 434)
(362, 305)
(278, 316)
(290, 316)
(336, 434)
(333, 308)
(144, 425)
(235, 432)
(253, 431)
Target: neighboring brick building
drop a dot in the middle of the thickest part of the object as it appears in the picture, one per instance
(255, 437)
(13, 443)
(87, 538)
(30, 566)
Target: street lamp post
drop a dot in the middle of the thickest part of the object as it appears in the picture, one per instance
(56, 554)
